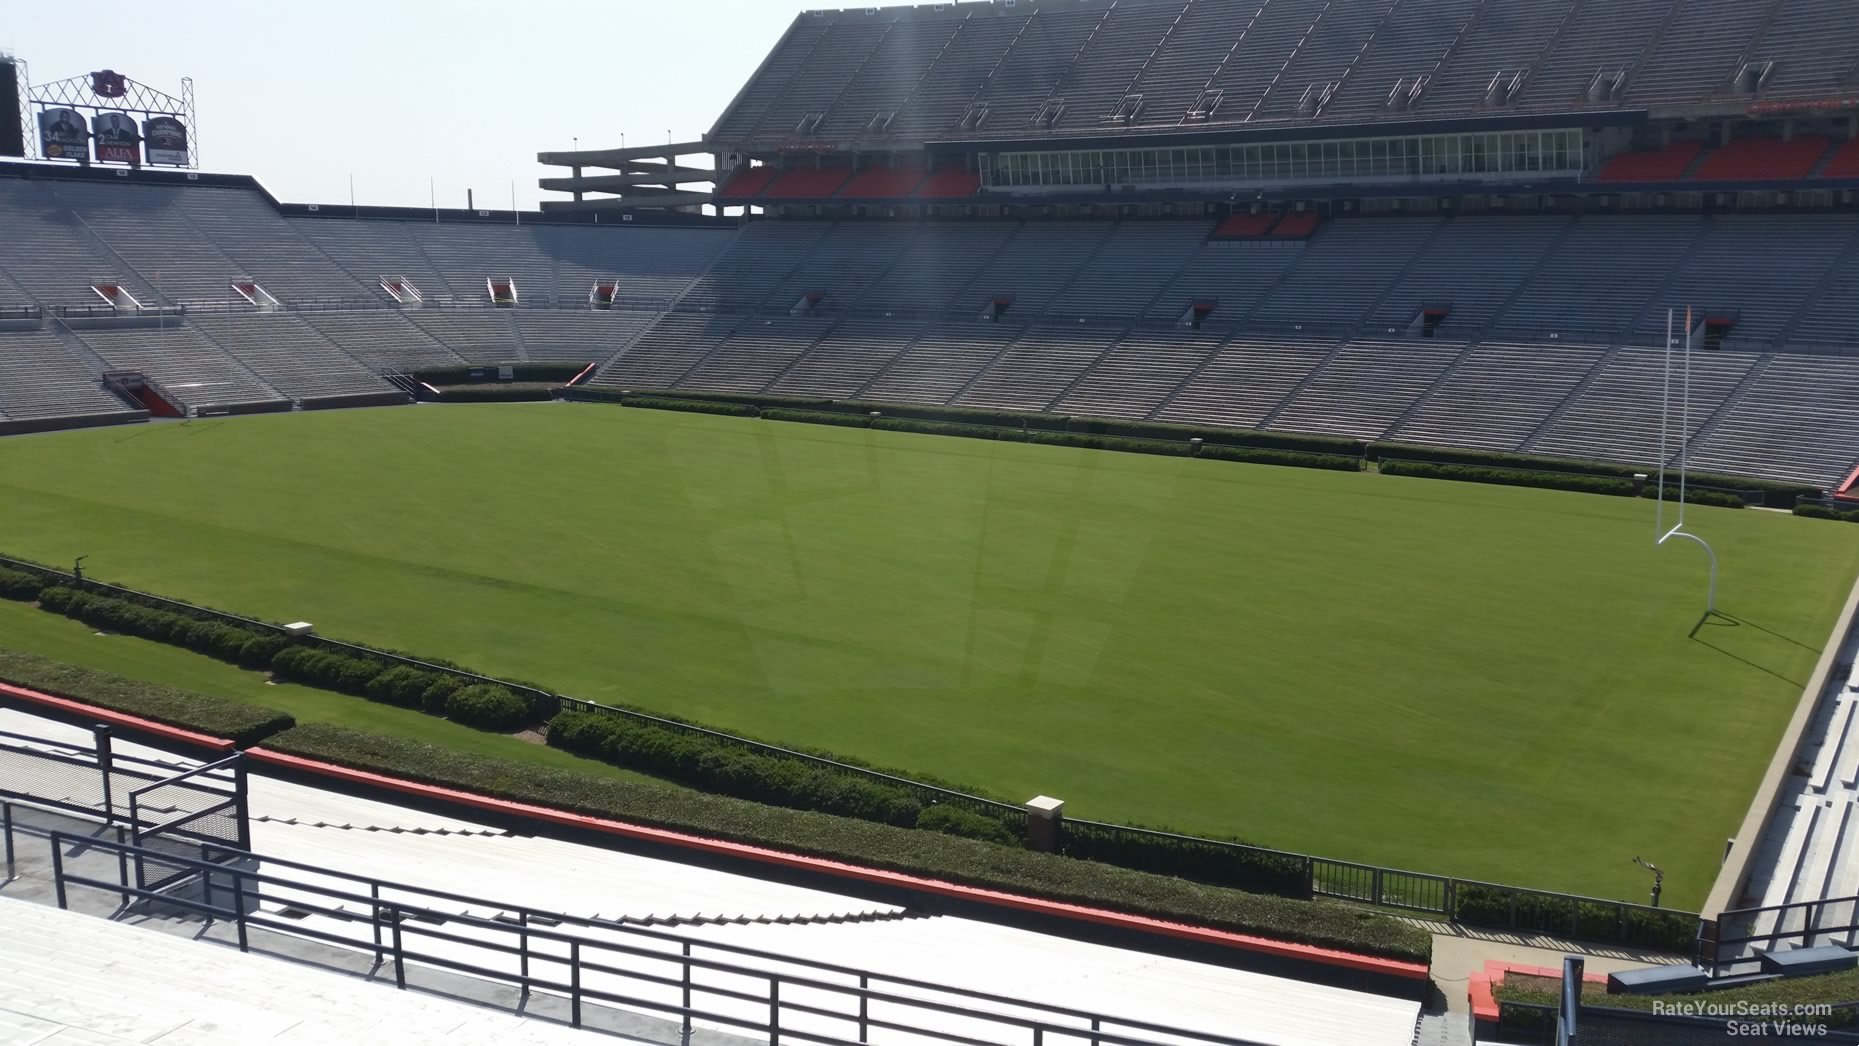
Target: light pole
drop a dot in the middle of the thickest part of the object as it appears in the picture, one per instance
(1658, 878)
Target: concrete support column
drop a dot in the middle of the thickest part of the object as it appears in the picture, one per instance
(1044, 817)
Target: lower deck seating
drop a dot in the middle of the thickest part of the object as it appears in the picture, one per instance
(940, 363)
(1245, 381)
(754, 355)
(476, 335)
(1365, 388)
(42, 377)
(840, 364)
(383, 339)
(1037, 369)
(185, 362)
(574, 335)
(666, 351)
(1618, 416)
(291, 356)
(1499, 395)
(1801, 410)
(1139, 374)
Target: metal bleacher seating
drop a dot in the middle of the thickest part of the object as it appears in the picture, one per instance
(383, 339)
(1322, 58)
(1499, 395)
(1716, 34)
(1116, 51)
(1617, 416)
(1038, 368)
(1803, 410)
(1235, 275)
(42, 377)
(1366, 387)
(1246, 381)
(1035, 266)
(755, 354)
(478, 335)
(651, 266)
(842, 362)
(372, 250)
(848, 261)
(575, 335)
(1406, 47)
(1341, 274)
(144, 227)
(1130, 269)
(1504, 40)
(1139, 373)
(1473, 267)
(666, 350)
(187, 363)
(1812, 43)
(940, 363)
(757, 261)
(267, 248)
(1603, 39)
(291, 356)
(1763, 269)
(1602, 275)
(1041, 57)
(469, 256)
(946, 259)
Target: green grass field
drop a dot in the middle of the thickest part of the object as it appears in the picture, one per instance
(1483, 681)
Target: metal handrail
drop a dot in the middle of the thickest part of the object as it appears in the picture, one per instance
(402, 918)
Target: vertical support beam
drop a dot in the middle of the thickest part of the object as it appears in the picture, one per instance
(1045, 820)
(105, 762)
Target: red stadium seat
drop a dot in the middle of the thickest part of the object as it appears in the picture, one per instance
(882, 183)
(1245, 226)
(1845, 163)
(747, 183)
(949, 184)
(1297, 226)
(1761, 159)
(1660, 165)
(808, 183)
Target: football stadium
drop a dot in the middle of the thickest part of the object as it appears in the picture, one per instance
(1244, 522)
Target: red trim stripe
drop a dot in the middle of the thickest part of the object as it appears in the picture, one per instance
(1262, 945)
(105, 715)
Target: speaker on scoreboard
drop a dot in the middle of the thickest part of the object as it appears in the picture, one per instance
(12, 136)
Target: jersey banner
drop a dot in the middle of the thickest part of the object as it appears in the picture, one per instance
(62, 135)
(117, 140)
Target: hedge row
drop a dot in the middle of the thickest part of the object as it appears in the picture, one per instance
(17, 584)
(241, 646)
(690, 406)
(243, 723)
(1697, 496)
(1508, 477)
(941, 428)
(1267, 873)
(1294, 459)
(715, 766)
(1122, 443)
(1813, 511)
(926, 853)
(1776, 493)
(524, 371)
(435, 693)
(507, 392)
(817, 417)
(1582, 920)
(1211, 434)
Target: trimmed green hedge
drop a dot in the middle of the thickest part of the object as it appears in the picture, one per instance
(1294, 459)
(717, 766)
(1282, 876)
(17, 584)
(520, 371)
(1697, 496)
(1582, 920)
(402, 685)
(327, 669)
(1611, 485)
(1223, 436)
(690, 406)
(242, 723)
(934, 854)
(487, 707)
(954, 820)
(1813, 511)
(241, 646)
(939, 428)
(817, 417)
(504, 392)
(1777, 494)
(1122, 443)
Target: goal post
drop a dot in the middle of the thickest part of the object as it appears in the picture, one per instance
(1678, 530)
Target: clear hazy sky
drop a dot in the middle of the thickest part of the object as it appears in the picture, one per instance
(303, 95)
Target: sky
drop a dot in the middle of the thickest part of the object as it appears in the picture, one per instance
(413, 99)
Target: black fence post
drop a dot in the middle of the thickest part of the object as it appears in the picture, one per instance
(242, 810)
(238, 908)
(864, 1008)
(58, 869)
(104, 765)
(574, 982)
(400, 961)
(774, 1011)
(522, 948)
(6, 828)
(684, 1035)
(374, 905)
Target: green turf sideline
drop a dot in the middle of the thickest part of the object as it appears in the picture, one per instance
(1418, 674)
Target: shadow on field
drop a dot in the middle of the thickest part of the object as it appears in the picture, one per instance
(1753, 645)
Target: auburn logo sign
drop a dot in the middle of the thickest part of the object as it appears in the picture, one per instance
(109, 84)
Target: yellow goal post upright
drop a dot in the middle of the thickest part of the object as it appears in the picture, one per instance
(1662, 535)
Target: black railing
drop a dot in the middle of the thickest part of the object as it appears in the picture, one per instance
(602, 961)
(200, 810)
(1739, 934)
(1233, 863)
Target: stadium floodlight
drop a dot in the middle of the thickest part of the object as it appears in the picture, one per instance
(1684, 451)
